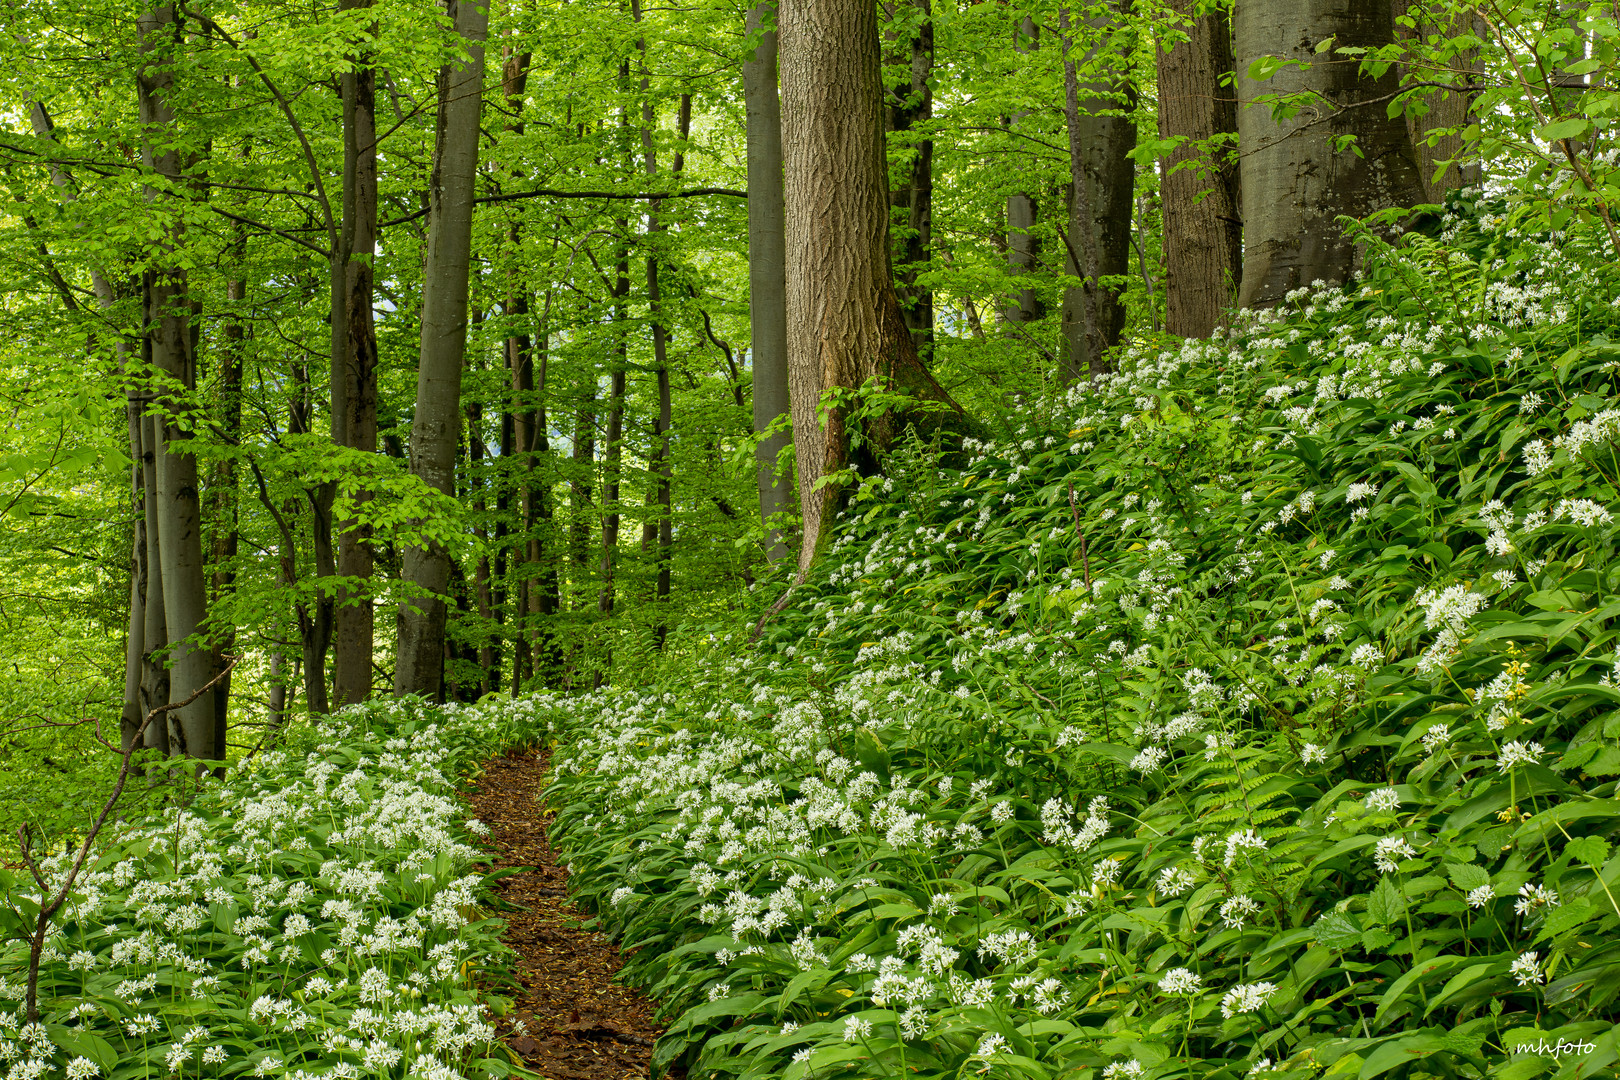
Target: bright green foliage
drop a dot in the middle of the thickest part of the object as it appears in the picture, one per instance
(1252, 709)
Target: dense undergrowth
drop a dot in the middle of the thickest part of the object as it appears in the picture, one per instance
(1250, 711)
(319, 914)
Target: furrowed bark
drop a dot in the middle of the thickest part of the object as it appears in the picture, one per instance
(419, 667)
(844, 319)
(1203, 230)
(356, 369)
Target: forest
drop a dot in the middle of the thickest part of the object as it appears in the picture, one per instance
(998, 538)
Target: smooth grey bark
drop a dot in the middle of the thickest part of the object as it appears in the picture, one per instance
(155, 636)
(767, 272)
(354, 396)
(1295, 184)
(1023, 246)
(191, 728)
(419, 666)
(1102, 180)
(909, 105)
(844, 319)
(1203, 232)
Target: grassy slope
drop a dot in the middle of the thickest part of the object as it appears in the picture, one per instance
(1251, 709)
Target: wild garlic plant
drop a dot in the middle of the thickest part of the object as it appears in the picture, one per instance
(1248, 710)
(317, 914)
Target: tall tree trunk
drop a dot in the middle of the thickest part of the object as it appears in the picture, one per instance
(169, 329)
(419, 667)
(355, 368)
(224, 497)
(315, 613)
(520, 421)
(658, 532)
(155, 636)
(1295, 183)
(767, 271)
(545, 597)
(1102, 187)
(1203, 229)
(613, 452)
(1023, 246)
(844, 318)
(1446, 109)
(910, 105)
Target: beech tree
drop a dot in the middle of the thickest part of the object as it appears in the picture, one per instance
(419, 667)
(1340, 154)
(171, 348)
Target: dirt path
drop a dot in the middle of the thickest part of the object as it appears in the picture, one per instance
(577, 1023)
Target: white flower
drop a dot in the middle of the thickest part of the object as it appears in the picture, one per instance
(1123, 1070)
(1534, 897)
(1436, 737)
(1149, 759)
(1175, 880)
(1382, 801)
(1180, 981)
(1526, 970)
(856, 1029)
(1480, 896)
(1236, 911)
(1246, 998)
(990, 1045)
(1361, 490)
(1311, 754)
(1389, 851)
(1246, 840)
(1515, 753)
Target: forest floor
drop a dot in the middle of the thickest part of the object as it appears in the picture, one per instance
(570, 1019)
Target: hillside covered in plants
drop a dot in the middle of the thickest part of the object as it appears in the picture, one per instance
(1248, 712)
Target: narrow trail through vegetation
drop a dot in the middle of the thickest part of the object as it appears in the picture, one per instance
(571, 1020)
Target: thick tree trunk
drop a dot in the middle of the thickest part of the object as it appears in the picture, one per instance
(1294, 182)
(1203, 229)
(1102, 184)
(844, 319)
(169, 331)
(419, 667)
(355, 366)
(767, 299)
(909, 106)
(1023, 246)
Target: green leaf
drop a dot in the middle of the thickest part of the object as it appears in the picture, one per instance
(1565, 129)
(1386, 906)
(1467, 876)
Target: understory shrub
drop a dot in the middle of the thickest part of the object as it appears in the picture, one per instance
(1250, 711)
